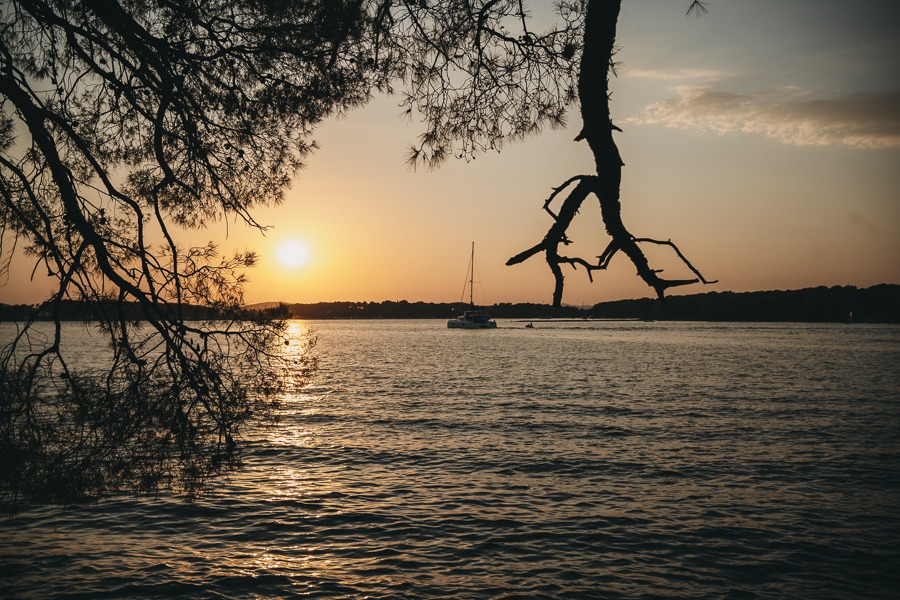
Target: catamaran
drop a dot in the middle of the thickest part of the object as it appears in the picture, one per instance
(474, 317)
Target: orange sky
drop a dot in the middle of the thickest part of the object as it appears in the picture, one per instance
(764, 139)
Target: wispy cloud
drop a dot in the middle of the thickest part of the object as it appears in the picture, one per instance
(861, 120)
(678, 75)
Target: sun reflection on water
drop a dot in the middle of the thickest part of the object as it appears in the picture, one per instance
(299, 338)
(299, 358)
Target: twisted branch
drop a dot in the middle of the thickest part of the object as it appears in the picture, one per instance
(593, 90)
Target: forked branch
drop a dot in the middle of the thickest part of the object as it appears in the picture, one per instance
(597, 131)
(557, 232)
(683, 258)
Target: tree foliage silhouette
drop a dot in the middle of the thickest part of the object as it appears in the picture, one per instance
(124, 121)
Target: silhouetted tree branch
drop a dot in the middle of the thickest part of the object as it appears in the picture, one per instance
(597, 130)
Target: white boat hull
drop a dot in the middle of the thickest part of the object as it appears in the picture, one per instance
(461, 323)
(472, 319)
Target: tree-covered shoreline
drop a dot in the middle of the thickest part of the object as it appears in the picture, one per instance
(836, 304)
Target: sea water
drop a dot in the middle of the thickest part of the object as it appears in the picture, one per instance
(579, 459)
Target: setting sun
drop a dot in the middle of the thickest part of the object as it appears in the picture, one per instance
(293, 254)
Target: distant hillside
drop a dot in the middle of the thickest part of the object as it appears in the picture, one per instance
(838, 304)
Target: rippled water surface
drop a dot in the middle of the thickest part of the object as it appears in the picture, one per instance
(572, 460)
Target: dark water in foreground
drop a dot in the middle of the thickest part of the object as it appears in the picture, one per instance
(573, 460)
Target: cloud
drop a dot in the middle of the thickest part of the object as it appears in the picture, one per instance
(861, 120)
(679, 75)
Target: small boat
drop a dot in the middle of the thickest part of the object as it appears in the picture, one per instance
(474, 317)
(529, 326)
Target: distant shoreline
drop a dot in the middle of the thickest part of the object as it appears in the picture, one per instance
(836, 304)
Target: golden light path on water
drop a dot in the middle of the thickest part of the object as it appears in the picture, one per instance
(300, 353)
(288, 484)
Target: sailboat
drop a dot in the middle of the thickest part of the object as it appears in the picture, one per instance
(473, 318)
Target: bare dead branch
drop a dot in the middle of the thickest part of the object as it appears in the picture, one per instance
(558, 190)
(596, 67)
(525, 255)
(683, 258)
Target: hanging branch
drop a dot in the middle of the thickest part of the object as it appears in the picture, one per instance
(593, 93)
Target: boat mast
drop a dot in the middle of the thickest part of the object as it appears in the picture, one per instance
(472, 277)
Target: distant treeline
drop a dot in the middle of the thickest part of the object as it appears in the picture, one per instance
(75, 310)
(423, 310)
(838, 304)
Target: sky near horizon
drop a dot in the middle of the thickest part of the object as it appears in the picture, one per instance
(762, 138)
